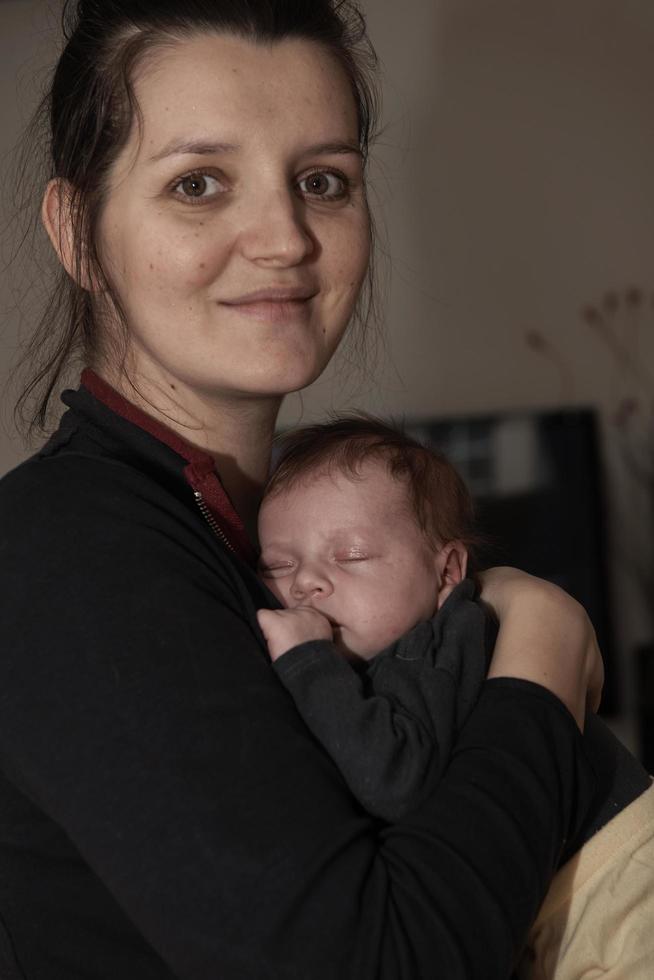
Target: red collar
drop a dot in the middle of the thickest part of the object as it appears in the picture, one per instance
(200, 471)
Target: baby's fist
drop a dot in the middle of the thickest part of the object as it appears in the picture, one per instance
(286, 628)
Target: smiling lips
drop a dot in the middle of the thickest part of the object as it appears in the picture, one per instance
(274, 305)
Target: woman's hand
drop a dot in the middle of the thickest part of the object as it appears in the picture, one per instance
(286, 628)
(545, 636)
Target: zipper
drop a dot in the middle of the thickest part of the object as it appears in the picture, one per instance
(211, 520)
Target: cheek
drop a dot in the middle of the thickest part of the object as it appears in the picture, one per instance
(346, 250)
(376, 620)
(361, 256)
(412, 597)
(154, 258)
(202, 254)
(374, 605)
(189, 260)
(422, 594)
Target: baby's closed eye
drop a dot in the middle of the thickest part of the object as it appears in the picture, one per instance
(351, 555)
(275, 568)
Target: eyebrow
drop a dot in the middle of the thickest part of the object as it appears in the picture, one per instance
(197, 147)
(205, 148)
(336, 147)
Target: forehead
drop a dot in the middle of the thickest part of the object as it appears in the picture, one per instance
(231, 84)
(370, 496)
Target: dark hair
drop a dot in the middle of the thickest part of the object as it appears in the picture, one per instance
(440, 501)
(90, 110)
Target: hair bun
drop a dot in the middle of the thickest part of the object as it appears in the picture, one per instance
(76, 13)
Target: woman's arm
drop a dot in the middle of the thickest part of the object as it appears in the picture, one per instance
(545, 636)
(140, 715)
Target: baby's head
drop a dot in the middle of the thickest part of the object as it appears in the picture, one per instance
(366, 525)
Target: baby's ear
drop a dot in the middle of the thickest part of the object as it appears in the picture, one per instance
(452, 565)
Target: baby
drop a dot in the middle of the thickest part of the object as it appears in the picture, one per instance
(365, 537)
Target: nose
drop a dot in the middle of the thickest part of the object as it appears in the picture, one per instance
(310, 582)
(274, 233)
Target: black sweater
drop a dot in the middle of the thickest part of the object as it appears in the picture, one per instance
(164, 811)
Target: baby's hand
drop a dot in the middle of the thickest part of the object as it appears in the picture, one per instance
(285, 628)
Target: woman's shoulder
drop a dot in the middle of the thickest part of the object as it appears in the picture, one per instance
(91, 498)
(62, 510)
(95, 451)
(96, 533)
(74, 487)
(84, 465)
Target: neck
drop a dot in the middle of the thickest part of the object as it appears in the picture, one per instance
(240, 441)
(237, 431)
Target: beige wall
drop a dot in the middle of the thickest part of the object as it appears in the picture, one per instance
(28, 38)
(514, 180)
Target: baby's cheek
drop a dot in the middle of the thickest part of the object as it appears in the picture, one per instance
(394, 627)
(386, 627)
(397, 619)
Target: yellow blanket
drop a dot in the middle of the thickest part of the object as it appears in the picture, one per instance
(597, 920)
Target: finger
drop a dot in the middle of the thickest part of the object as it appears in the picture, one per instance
(265, 618)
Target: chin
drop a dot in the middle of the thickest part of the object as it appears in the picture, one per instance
(294, 365)
(291, 379)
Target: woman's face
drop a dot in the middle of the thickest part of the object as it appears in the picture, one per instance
(235, 230)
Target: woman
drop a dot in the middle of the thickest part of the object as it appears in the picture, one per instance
(164, 811)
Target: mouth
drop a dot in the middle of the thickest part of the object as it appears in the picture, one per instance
(276, 304)
(273, 294)
(274, 311)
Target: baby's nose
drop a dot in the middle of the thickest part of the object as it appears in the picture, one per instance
(311, 583)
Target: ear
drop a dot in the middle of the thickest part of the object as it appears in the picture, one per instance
(452, 565)
(57, 215)
(57, 220)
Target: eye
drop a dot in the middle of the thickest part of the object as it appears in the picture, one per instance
(198, 187)
(326, 185)
(351, 557)
(275, 569)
